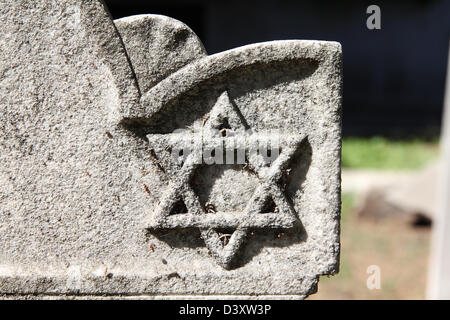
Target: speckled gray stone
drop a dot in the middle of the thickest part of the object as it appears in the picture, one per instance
(158, 46)
(92, 201)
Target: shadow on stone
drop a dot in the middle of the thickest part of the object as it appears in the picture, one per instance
(291, 182)
(263, 238)
(195, 103)
(179, 238)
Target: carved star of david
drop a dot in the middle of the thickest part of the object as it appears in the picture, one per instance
(253, 217)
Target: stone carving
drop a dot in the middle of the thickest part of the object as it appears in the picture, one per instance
(94, 202)
(267, 191)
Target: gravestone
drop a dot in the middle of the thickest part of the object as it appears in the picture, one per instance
(135, 165)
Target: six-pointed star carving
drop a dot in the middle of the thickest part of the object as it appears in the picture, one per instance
(179, 190)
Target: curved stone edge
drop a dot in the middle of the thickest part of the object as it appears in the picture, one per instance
(158, 46)
(113, 53)
(103, 40)
(327, 53)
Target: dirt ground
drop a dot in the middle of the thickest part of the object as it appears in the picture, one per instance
(400, 250)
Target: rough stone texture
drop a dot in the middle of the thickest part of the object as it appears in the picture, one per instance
(84, 176)
(158, 46)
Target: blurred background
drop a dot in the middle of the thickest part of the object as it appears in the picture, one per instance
(394, 81)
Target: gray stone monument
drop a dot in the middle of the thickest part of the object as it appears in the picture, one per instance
(135, 165)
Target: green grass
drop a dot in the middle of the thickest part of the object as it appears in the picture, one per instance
(381, 153)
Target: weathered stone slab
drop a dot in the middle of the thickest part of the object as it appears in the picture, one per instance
(93, 200)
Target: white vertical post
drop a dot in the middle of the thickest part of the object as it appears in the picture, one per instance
(439, 269)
